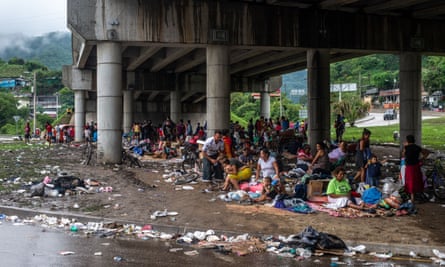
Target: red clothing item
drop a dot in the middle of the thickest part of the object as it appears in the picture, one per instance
(413, 179)
(49, 128)
(227, 146)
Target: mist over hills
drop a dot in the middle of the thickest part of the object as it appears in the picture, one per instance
(52, 49)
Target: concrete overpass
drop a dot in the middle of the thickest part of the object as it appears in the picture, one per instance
(135, 60)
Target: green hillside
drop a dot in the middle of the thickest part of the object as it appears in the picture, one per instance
(52, 49)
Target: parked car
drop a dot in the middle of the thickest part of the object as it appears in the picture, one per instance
(390, 114)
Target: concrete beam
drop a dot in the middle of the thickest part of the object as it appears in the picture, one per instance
(300, 58)
(245, 54)
(171, 55)
(189, 94)
(145, 54)
(199, 99)
(263, 59)
(389, 5)
(198, 58)
(84, 53)
(153, 95)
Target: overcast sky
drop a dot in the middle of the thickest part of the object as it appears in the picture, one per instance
(32, 17)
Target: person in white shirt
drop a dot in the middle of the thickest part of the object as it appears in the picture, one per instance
(213, 147)
(267, 165)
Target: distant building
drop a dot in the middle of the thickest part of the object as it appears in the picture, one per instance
(391, 98)
(12, 83)
(434, 99)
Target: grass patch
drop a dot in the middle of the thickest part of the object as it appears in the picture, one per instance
(13, 145)
(433, 133)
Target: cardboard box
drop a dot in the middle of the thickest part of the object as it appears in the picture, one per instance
(317, 187)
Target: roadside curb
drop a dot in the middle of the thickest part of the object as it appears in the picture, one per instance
(396, 249)
(368, 118)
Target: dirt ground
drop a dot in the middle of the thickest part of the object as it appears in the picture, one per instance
(138, 192)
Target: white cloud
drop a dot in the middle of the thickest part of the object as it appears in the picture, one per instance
(32, 17)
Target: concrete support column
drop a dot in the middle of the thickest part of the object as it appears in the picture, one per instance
(128, 102)
(218, 88)
(79, 114)
(265, 104)
(410, 97)
(175, 102)
(319, 109)
(109, 102)
(128, 110)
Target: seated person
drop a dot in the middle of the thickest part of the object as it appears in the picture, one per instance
(339, 191)
(267, 165)
(304, 153)
(338, 153)
(271, 188)
(320, 163)
(169, 150)
(246, 158)
(236, 172)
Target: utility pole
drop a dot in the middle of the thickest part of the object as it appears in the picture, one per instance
(34, 89)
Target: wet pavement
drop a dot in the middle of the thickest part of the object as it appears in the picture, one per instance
(34, 245)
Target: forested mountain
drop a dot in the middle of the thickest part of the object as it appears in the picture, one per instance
(52, 49)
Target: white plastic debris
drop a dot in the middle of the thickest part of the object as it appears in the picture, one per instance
(381, 255)
(439, 254)
(359, 248)
(191, 253)
(65, 253)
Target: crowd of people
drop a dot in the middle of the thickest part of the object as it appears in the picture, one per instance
(61, 134)
(255, 154)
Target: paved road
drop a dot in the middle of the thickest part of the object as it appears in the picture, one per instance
(32, 245)
(376, 119)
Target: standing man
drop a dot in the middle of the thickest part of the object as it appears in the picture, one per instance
(339, 126)
(27, 132)
(49, 132)
(213, 147)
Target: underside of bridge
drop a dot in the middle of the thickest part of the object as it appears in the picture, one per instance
(163, 46)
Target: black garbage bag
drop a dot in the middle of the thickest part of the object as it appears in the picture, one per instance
(63, 183)
(328, 241)
(311, 239)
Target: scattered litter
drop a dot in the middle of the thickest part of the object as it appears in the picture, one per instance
(191, 253)
(118, 258)
(187, 187)
(98, 253)
(413, 254)
(176, 249)
(359, 248)
(65, 253)
(381, 255)
(439, 254)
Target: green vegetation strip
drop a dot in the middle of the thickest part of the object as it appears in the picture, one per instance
(433, 133)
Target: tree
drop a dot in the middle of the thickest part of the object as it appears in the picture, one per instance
(8, 108)
(16, 61)
(66, 98)
(433, 73)
(352, 108)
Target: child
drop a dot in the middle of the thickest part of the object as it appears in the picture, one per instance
(169, 151)
(271, 188)
(246, 158)
(373, 171)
